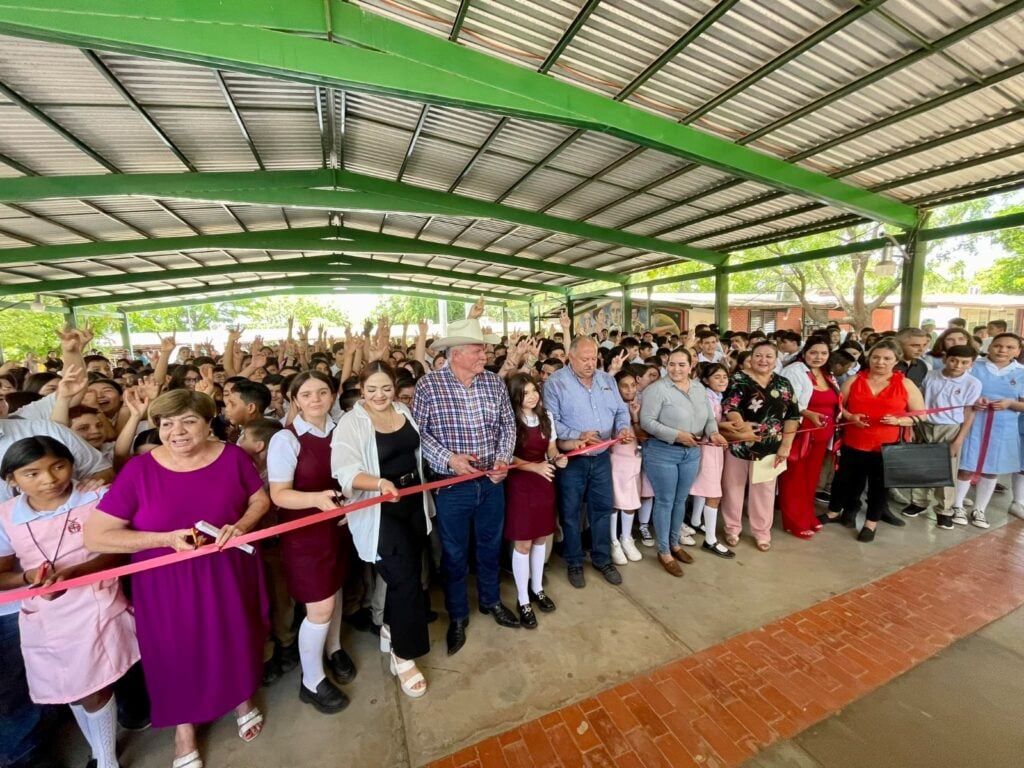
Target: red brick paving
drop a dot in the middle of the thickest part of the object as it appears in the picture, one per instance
(721, 706)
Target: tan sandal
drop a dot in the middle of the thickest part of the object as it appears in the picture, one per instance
(731, 540)
(764, 546)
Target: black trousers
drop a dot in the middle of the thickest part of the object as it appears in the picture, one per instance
(402, 542)
(857, 469)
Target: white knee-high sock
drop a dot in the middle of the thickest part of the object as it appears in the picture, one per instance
(963, 487)
(710, 521)
(627, 524)
(521, 573)
(312, 639)
(646, 507)
(983, 493)
(100, 730)
(698, 509)
(537, 553)
(334, 629)
(613, 524)
(1018, 487)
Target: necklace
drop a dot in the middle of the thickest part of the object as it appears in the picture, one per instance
(50, 562)
(382, 425)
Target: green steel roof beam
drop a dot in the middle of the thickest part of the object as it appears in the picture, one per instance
(327, 190)
(443, 73)
(312, 239)
(289, 291)
(335, 264)
(314, 281)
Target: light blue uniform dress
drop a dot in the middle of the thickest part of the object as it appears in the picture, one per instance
(1004, 451)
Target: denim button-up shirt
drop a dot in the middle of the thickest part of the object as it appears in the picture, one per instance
(578, 409)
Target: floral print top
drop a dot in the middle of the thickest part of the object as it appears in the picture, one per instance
(768, 407)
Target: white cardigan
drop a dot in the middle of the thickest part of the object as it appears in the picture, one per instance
(799, 376)
(354, 450)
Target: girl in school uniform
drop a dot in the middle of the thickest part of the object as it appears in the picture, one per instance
(76, 644)
(530, 495)
(626, 474)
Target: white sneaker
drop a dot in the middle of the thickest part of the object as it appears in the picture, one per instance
(968, 502)
(618, 556)
(629, 548)
(959, 516)
(1017, 510)
(687, 530)
(687, 540)
(978, 518)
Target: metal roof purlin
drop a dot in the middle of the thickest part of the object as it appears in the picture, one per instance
(446, 74)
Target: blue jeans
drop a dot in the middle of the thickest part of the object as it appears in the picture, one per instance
(20, 719)
(478, 504)
(586, 478)
(671, 470)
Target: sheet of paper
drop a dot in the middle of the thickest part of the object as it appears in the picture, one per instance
(765, 470)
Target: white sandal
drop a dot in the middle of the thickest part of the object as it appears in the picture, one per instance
(385, 638)
(251, 719)
(408, 686)
(191, 760)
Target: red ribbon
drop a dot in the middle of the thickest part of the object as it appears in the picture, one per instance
(257, 535)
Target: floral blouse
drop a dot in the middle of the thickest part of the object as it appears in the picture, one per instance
(767, 407)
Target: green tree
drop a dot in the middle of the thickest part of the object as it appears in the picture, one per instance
(274, 311)
(1006, 275)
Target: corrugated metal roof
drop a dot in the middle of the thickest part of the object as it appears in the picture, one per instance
(527, 163)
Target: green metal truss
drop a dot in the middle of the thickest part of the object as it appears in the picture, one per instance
(338, 264)
(325, 284)
(308, 239)
(326, 190)
(385, 56)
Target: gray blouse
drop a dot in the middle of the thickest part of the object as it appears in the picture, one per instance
(667, 410)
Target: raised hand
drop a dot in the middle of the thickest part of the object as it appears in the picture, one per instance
(148, 388)
(72, 383)
(617, 362)
(206, 384)
(137, 402)
(422, 326)
(168, 343)
(477, 310)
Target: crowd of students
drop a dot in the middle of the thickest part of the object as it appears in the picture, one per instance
(563, 441)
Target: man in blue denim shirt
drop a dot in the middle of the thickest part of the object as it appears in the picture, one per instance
(587, 409)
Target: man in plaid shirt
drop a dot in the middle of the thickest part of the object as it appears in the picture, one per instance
(466, 424)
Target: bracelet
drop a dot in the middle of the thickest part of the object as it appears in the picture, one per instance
(380, 483)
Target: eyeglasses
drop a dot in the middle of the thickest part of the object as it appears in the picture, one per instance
(192, 379)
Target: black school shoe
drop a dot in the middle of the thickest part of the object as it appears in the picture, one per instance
(502, 615)
(527, 618)
(912, 510)
(891, 519)
(327, 698)
(866, 535)
(945, 522)
(544, 603)
(342, 667)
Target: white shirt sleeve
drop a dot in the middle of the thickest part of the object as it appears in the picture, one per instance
(282, 457)
(41, 409)
(551, 421)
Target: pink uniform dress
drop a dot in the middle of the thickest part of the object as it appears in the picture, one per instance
(626, 464)
(712, 459)
(84, 640)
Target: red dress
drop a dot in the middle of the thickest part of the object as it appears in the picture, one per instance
(529, 498)
(315, 557)
(800, 480)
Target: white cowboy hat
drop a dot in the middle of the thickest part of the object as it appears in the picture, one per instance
(462, 332)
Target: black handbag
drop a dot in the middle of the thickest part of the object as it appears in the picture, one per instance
(916, 465)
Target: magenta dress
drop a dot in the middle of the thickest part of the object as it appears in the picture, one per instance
(200, 623)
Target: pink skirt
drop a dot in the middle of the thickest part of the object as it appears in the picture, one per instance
(625, 476)
(709, 480)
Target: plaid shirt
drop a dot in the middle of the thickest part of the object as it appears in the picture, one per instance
(452, 418)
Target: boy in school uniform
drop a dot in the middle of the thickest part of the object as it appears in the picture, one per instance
(280, 650)
(950, 387)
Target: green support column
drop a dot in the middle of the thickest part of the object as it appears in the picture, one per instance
(533, 324)
(572, 320)
(650, 316)
(722, 300)
(504, 322)
(627, 313)
(71, 315)
(912, 288)
(126, 335)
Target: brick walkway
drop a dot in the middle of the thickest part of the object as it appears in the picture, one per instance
(721, 706)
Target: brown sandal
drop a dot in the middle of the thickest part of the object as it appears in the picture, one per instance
(671, 566)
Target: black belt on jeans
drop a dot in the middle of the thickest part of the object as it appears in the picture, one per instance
(406, 480)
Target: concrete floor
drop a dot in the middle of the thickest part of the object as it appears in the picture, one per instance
(960, 708)
(599, 636)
